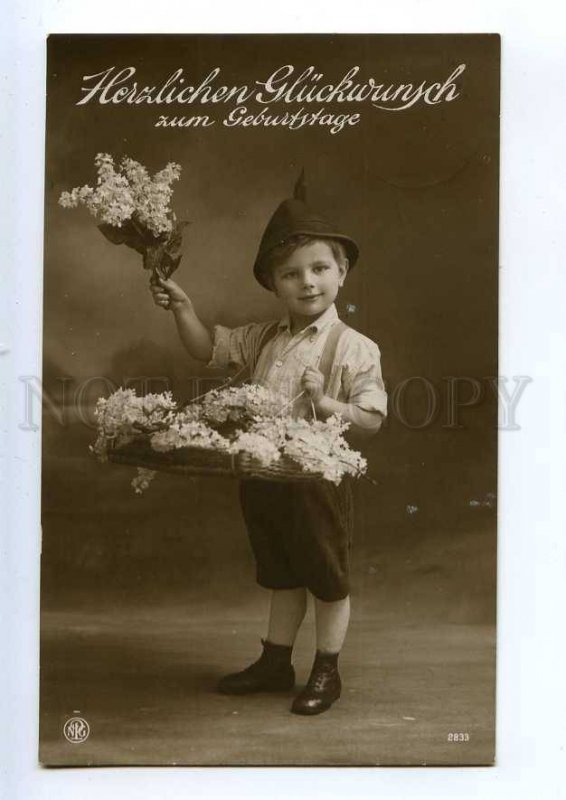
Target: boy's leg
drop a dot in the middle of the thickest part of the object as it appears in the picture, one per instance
(324, 686)
(288, 608)
(273, 671)
(265, 506)
(331, 624)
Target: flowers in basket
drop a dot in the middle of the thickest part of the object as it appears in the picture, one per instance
(133, 208)
(247, 420)
(318, 446)
(124, 416)
(240, 404)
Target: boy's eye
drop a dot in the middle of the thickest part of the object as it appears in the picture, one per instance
(320, 268)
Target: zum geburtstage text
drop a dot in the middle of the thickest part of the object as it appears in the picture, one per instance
(244, 117)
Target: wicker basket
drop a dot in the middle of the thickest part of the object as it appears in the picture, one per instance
(208, 463)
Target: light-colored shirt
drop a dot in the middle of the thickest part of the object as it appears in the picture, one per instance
(355, 375)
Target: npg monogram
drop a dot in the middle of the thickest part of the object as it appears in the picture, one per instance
(76, 730)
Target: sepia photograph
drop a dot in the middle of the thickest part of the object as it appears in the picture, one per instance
(270, 400)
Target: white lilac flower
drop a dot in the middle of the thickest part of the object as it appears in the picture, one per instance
(123, 415)
(128, 192)
(144, 477)
(257, 446)
(242, 403)
(320, 447)
(188, 434)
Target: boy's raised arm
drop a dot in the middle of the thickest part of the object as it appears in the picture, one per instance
(195, 336)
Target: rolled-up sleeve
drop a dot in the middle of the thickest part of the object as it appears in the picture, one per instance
(361, 376)
(234, 347)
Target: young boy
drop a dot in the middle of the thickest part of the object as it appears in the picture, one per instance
(300, 532)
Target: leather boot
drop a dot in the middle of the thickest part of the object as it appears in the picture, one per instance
(272, 672)
(323, 687)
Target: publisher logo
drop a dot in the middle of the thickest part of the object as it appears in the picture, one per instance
(76, 730)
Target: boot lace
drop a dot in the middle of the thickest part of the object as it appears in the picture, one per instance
(319, 678)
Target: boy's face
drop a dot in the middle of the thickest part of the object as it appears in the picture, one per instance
(309, 280)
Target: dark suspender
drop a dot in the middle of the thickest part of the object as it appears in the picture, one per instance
(329, 350)
(266, 336)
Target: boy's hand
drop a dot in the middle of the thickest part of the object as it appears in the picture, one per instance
(168, 295)
(313, 384)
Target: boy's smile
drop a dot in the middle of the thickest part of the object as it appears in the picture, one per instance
(308, 282)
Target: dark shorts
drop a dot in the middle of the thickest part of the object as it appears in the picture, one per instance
(300, 533)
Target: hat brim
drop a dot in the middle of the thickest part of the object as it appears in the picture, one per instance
(351, 248)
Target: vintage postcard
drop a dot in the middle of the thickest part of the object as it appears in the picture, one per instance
(269, 470)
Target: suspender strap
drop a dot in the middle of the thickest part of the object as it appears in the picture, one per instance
(267, 335)
(329, 350)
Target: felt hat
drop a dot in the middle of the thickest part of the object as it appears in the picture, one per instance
(293, 217)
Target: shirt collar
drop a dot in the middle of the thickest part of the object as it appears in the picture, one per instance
(326, 319)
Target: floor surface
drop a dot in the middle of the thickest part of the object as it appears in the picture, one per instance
(144, 680)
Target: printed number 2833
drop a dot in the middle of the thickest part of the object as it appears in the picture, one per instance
(459, 737)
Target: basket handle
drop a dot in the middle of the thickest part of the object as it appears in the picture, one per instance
(291, 401)
(226, 383)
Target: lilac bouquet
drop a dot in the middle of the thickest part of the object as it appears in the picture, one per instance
(133, 209)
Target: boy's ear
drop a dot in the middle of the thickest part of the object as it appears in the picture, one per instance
(344, 267)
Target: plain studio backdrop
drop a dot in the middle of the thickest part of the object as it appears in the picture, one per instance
(418, 190)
